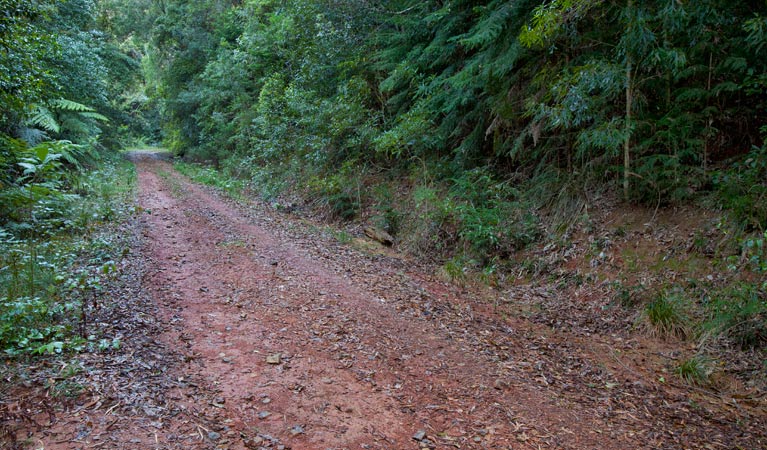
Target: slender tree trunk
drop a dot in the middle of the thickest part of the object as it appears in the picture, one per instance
(629, 101)
(627, 141)
(708, 119)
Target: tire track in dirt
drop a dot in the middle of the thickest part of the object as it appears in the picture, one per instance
(354, 372)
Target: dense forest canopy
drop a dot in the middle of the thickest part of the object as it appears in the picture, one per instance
(489, 100)
(649, 93)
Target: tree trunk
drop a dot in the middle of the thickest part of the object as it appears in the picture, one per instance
(627, 141)
(709, 119)
(629, 101)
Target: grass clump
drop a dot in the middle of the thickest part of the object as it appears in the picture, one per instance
(666, 315)
(695, 371)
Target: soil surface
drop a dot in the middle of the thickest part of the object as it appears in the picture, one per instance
(248, 328)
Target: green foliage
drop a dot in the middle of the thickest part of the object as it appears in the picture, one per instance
(501, 111)
(52, 267)
(211, 177)
(387, 217)
(474, 215)
(38, 193)
(666, 314)
(754, 252)
(410, 136)
(739, 314)
(526, 87)
(25, 43)
(742, 189)
(454, 270)
(695, 370)
(492, 218)
(340, 192)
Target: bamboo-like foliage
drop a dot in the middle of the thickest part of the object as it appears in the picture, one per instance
(646, 95)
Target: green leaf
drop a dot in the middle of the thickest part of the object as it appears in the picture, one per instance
(41, 152)
(69, 105)
(42, 117)
(29, 168)
(95, 116)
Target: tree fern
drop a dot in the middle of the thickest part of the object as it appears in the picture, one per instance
(94, 116)
(63, 104)
(42, 117)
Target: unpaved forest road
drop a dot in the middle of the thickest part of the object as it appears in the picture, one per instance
(277, 338)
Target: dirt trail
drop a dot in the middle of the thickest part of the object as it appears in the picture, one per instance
(273, 336)
(354, 371)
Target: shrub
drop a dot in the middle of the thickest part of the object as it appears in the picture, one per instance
(742, 189)
(739, 314)
(492, 219)
(340, 192)
(50, 266)
(387, 216)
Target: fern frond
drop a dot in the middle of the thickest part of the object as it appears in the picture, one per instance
(94, 116)
(75, 125)
(74, 155)
(32, 136)
(42, 117)
(69, 105)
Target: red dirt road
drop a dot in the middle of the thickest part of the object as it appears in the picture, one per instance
(355, 370)
(271, 334)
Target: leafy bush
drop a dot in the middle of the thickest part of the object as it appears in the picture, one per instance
(491, 220)
(340, 192)
(738, 313)
(430, 225)
(474, 218)
(742, 189)
(387, 217)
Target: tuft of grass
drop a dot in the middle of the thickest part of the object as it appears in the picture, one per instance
(695, 371)
(342, 236)
(454, 271)
(666, 315)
